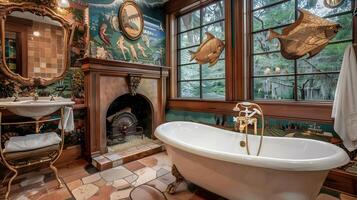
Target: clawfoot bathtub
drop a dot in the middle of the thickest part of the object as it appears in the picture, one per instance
(287, 168)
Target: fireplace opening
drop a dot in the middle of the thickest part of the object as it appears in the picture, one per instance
(129, 121)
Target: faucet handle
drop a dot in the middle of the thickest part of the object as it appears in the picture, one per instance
(15, 96)
(52, 97)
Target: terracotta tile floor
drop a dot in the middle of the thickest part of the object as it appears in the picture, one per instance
(83, 182)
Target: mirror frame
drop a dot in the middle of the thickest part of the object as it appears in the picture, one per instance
(5, 10)
(140, 13)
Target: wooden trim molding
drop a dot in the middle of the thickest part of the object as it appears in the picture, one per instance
(301, 111)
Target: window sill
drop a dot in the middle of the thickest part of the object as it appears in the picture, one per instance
(304, 111)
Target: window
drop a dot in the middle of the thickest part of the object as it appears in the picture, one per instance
(194, 80)
(274, 77)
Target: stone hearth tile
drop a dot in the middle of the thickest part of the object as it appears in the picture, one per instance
(327, 197)
(121, 184)
(91, 178)
(121, 194)
(153, 145)
(158, 185)
(145, 175)
(113, 156)
(104, 164)
(134, 166)
(97, 158)
(76, 176)
(85, 192)
(167, 179)
(101, 182)
(161, 172)
(132, 178)
(95, 163)
(117, 163)
(74, 184)
(157, 142)
(345, 197)
(149, 161)
(143, 148)
(58, 194)
(163, 161)
(103, 193)
(115, 174)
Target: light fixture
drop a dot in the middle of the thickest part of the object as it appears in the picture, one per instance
(36, 33)
(63, 3)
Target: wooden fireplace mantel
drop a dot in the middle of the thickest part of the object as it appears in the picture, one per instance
(105, 81)
(118, 67)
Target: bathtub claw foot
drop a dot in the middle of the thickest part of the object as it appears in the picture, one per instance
(171, 188)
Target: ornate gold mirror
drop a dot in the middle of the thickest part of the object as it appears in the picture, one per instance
(35, 43)
(333, 3)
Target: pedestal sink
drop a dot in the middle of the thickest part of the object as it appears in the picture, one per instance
(36, 109)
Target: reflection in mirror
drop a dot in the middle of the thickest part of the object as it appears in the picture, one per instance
(34, 45)
(333, 3)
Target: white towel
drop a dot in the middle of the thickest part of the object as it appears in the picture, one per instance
(68, 120)
(345, 105)
(31, 142)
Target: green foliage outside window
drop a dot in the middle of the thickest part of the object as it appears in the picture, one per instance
(273, 76)
(194, 80)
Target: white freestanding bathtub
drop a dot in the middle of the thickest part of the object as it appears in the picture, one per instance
(287, 168)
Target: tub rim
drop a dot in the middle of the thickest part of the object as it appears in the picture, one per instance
(339, 158)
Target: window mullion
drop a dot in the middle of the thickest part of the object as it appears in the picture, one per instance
(201, 22)
(295, 61)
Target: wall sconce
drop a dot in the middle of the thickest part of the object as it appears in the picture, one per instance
(36, 34)
(63, 3)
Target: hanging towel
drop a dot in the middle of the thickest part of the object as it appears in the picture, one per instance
(345, 105)
(68, 120)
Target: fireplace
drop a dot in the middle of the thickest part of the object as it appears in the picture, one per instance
(129, 117)
(116, 89)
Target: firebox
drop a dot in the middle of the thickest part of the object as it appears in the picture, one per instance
(128, 117)
(121, 125)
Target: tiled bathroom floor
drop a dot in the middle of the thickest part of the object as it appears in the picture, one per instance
(84, 182)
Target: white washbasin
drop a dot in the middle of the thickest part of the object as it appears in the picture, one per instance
(28, 107)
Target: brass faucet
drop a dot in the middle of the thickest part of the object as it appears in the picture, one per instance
(247, 113)
(35, 95)
(16, 96)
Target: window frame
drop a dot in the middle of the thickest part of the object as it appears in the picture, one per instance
(295, 74)
(238, 62)
(178, 49)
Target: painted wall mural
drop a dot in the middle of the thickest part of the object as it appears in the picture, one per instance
(108, 42)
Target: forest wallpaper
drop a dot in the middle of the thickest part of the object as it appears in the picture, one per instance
(108, 42)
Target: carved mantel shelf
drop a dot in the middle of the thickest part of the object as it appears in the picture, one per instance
(105, 81)
(100, 65)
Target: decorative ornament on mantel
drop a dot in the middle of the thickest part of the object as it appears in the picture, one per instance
(133, 83)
